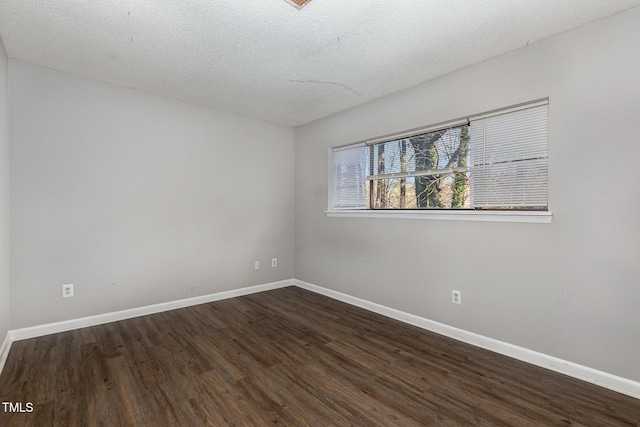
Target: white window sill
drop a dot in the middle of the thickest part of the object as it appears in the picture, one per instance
(491, 216)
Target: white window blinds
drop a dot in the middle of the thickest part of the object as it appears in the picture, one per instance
(508, 159)
(350, 177)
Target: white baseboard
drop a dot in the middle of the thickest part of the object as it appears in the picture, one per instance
(4, 350)
(100, 319)
(584, 373)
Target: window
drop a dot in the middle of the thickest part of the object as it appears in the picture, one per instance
(494, 161)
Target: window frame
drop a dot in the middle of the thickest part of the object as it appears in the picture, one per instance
(453, 214)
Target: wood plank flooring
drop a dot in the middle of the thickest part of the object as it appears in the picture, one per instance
(286, 357)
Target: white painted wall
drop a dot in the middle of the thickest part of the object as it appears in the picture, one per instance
(4, 197)
(135, 198)
(570, 289)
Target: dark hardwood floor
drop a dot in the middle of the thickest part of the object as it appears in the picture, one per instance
(286, 357)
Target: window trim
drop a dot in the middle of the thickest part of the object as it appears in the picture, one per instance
(540, 217)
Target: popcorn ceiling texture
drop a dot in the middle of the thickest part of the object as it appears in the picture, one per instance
(269, 60)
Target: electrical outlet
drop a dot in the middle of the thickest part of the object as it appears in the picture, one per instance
(256, 265)
(456, 297)
(67, 291)
(274, 262)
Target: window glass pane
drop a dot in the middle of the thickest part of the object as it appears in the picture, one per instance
(442, 191)
(447, 148)
(441, 149)
(428, 152)
(391, 157)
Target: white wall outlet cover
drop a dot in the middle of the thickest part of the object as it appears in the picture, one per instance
(67, 291)
(456, 297)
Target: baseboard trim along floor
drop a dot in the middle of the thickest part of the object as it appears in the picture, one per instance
(584, 373)
(4, 350)
(100, 319)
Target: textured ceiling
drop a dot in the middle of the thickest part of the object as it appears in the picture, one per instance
(269, 60)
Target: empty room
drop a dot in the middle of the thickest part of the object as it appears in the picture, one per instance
(319, 213)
